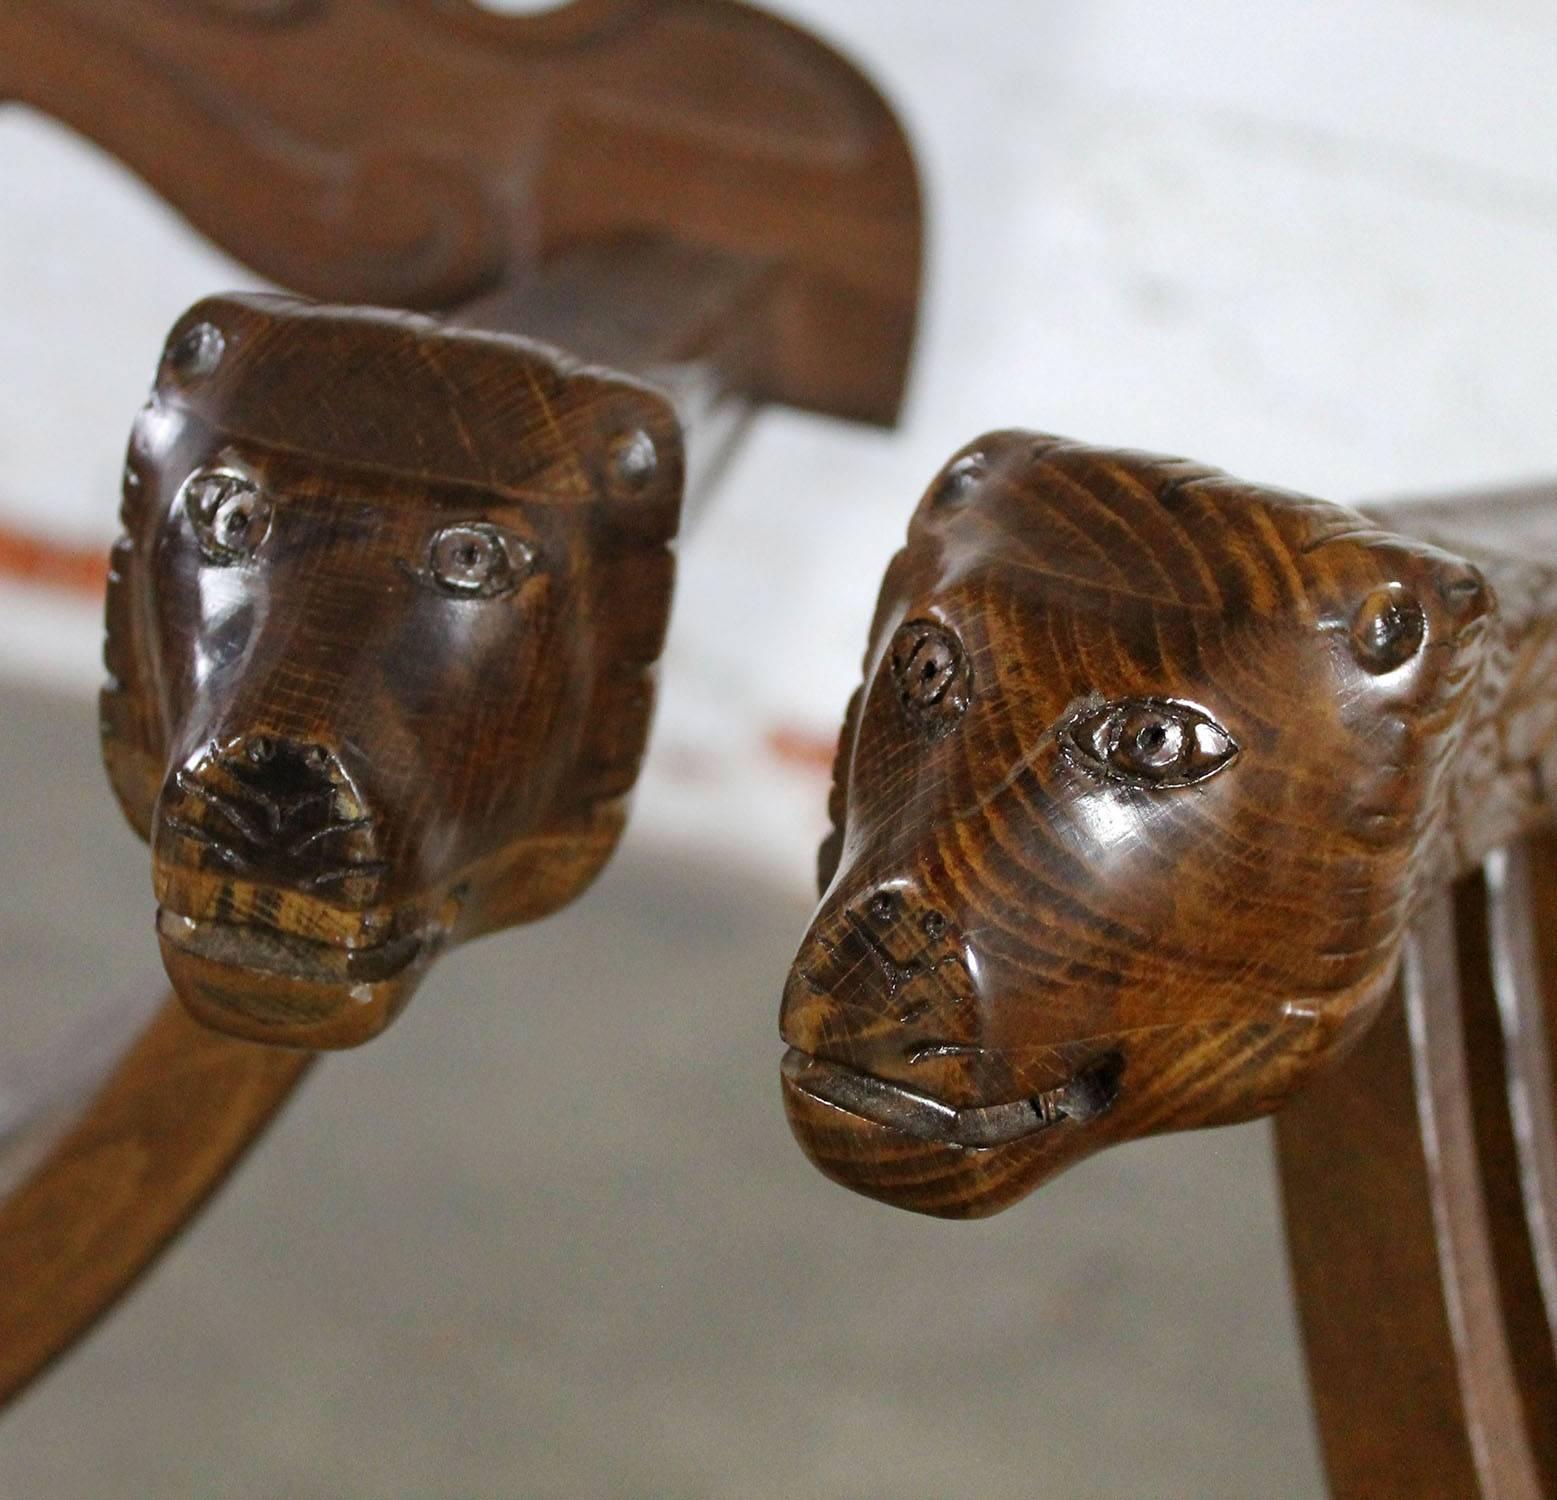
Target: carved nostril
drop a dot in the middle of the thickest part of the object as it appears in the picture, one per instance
(315, 757)
(933, 925)
(260, 750)
(883, 907)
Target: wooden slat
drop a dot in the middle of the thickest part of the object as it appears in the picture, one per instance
(1413, 1381)
(1522, 921)
(1497, 1072)
(155, 1141)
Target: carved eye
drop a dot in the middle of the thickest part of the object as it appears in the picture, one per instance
(477, 560)
(933, 678)
(1150, 742)
(1389, 629)
(229, 512)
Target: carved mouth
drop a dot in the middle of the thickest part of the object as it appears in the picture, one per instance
(265, 985)
(916, 1115)
(257, 948)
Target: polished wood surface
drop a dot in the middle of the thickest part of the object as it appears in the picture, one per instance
(1149, 774)
(688, 190)
(1421, 1194)
(1414, 1372)
(424, 153)
(1420, 1208)
(381, 632)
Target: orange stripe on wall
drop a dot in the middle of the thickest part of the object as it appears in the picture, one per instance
(795, 747)
(82, 571)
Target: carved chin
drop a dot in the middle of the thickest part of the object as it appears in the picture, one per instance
(266, 986)
(915, 1153)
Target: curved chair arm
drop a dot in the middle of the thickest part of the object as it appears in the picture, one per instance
(145, 1152)
(689, 191)
(423, 153)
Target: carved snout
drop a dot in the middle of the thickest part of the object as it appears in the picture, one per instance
(270, 877)
(882, 984)
(892, 1084)
(274, 812)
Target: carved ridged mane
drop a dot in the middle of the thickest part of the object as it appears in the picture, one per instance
(132, 736)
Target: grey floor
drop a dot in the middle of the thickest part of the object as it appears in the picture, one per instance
(550, 1237)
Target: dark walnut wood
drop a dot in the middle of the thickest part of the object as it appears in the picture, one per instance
(150, 1147)
(380, 635)
(423, 153)
(301, 635)
(1150, 771)
(1420, 1209)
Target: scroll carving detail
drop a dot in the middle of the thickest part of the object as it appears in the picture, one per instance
(424, 153)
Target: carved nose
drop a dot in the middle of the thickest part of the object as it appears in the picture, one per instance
(881, 985)
(889, 953)
(906, 933)
(279, 812)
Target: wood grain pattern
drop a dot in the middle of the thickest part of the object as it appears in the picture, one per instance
(421, 153)
(687, 189)
(1413, 1368)
(153, 1143)
(1522, 921)
(381, 630)
(1149, 773)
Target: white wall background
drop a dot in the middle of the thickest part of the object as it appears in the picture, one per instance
(1314, 242)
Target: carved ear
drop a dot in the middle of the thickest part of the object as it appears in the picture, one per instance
(1427, 593)
(636, 458)
(128, 714)
(1460, 588)
(1001, 453)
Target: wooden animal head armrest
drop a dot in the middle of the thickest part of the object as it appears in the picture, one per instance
(1148, 773)
(381, 629)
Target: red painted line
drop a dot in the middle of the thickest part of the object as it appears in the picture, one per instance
(797, 747)
(82, 571)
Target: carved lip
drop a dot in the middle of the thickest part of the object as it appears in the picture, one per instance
(916, 1115)
(245, 947)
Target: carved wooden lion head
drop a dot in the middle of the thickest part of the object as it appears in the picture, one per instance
(381, 629)
(1126, 814)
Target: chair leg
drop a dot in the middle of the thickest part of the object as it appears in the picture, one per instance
(1395, 1173)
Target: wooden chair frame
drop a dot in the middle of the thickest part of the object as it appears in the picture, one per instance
(590, 164)
(1420, 1180)
(689, 190)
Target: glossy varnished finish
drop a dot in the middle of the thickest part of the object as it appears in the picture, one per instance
(1414, 1371)
(1150, 770)
(380, 636)
(1521, 893)
(1429, 1328)
(1420, 1201)
(689, 190)
(423, 153)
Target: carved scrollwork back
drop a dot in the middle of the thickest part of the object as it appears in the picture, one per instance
(419, 153)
